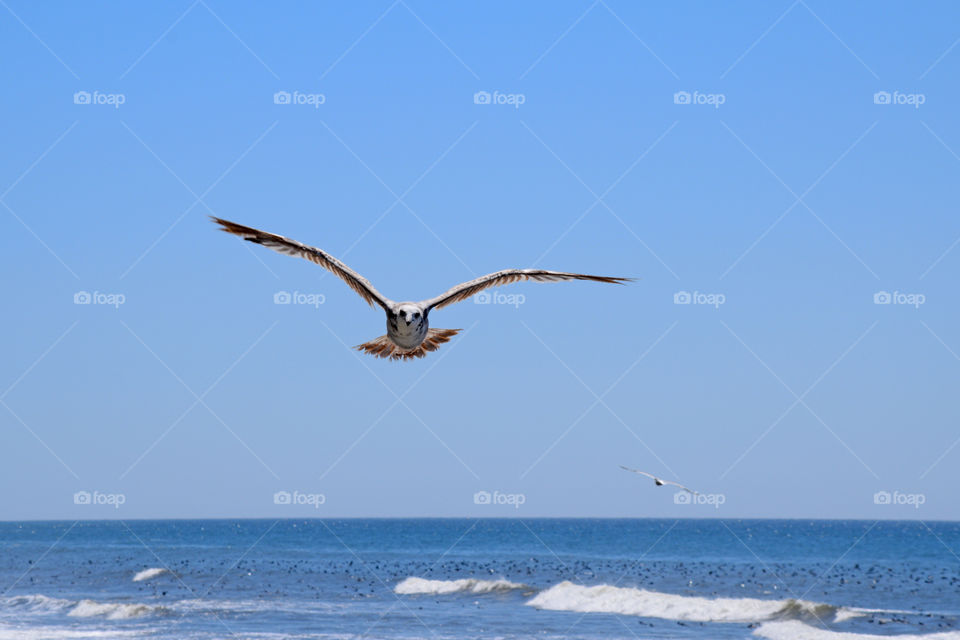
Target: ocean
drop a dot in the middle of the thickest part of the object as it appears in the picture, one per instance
(489, 578)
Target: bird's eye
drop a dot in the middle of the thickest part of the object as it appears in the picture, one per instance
(416, 315)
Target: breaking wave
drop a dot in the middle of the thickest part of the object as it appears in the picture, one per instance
(567, 596)
(113, 610)
(411, 586)
(146, 574)
(59, 633)
(35, 603)
(38, 607)
(797, 630)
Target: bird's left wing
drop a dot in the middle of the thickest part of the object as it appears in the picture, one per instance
(465, 290)
(318, 256)
(643, 473)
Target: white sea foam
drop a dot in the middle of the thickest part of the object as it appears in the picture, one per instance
(41, 604)
(34, 603)
(112, 610)
(146, 574)
(218, 606)
(797, 630)
(412, 586)
(61, 633)
(567, 596)
(845, 613)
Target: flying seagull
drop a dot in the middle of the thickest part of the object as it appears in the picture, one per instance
(408, 333)
(658, 481)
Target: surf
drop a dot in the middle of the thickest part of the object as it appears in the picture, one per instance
(113, 610)
(415, 586)
(147, 574)
(797, 630)
(605, 598)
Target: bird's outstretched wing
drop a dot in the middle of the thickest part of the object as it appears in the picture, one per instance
(643, 473)
(318, 256)
(465, 290)
(660, 481)
(677, 484)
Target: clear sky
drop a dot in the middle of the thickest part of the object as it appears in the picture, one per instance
(782, 164)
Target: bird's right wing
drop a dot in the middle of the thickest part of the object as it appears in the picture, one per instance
(466, 289)
(290, 247)
(643, 473)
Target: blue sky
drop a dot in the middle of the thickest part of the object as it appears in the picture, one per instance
(781, 163)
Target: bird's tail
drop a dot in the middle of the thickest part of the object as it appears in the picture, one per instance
(383, 347)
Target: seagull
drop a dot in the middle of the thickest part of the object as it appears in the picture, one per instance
(408, 333)
(658, 481)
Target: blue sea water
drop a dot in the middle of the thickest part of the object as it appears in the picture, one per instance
(495, 578)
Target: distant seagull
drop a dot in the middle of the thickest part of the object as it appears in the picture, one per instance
(659, 482)
(408, 335)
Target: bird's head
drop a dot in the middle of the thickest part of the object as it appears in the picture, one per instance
(409, 314)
